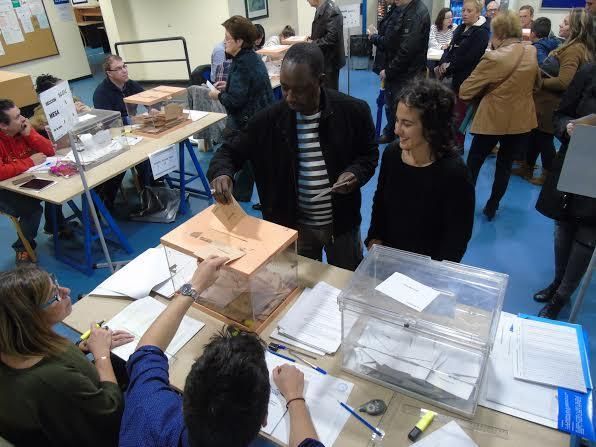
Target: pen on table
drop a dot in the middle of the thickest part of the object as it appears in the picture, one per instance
(367, 424)
(87, 333)
(422, 425)
(290, 359)
(312, 365)
(277, 346)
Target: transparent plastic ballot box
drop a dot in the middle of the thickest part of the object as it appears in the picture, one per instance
(251, 290)
(437, 354)
(98, 136)
(157, 111)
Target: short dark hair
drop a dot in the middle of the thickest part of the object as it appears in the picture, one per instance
(309, 54)
(529, 8)
(45, 82)
(288, 31)
(440, 17)
(228, 384)
(241, 28)
(541, 27)
(5, 106)
(107, 62)
(435, 102)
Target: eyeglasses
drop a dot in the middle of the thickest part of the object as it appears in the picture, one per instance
(123, 67)
(56, 298)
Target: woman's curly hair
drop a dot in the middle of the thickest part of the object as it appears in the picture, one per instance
(436, 103)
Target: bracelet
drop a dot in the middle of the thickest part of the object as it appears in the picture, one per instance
(292, 400)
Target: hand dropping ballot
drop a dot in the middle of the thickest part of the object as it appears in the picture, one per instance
(408, 291)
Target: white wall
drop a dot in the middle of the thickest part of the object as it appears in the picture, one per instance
(72, 61)
(281, 13)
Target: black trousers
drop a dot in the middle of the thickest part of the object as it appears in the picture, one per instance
(332, 78)
(541, 143)
(481, 148)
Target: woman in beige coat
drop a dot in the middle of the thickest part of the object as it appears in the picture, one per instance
(578, 49)
(503, 83)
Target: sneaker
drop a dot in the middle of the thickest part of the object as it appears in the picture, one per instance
(22, 257)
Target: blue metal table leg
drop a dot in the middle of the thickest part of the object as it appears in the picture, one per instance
(207, 193)
(183, 208)
(111, 223)
(88, 265)
(380, 105)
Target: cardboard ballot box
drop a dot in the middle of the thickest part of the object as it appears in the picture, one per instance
(157, 111)
(261, 274)
(422, 327)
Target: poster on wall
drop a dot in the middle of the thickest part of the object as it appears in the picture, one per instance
(256, 9)
(563, 4)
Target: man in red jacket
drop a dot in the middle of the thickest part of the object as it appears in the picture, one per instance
(21, 147)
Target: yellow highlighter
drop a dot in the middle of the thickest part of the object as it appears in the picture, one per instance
(87, 333)
(422, 424)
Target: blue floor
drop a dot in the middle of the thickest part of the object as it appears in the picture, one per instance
(518, 242)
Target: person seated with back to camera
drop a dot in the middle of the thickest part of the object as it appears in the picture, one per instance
(21, 148)
(228, 386)
(424, 202)
(287, 32)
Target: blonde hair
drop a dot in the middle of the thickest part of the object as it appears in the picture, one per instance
(581, 31)
(506, 25)
(478, 4)
(24, 330)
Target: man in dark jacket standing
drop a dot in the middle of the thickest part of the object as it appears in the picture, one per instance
(405, 43)
(328, 34)
(311, 152)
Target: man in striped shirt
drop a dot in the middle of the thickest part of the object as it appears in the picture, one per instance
(311, 153)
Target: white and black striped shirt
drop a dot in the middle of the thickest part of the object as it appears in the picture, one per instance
(312, 173)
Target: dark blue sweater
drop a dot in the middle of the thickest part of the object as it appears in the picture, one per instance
(544, 46)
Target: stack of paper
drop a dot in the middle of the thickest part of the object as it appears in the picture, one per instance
(322, 393)
(502, 392)
(136, 319)
(406, 354)
(314, 321)
(450, 435)
(150, 270)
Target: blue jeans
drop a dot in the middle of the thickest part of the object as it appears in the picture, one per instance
(27, 210)
(344, 250)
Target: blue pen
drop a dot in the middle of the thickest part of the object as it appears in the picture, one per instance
(290, 359)
(375, 430)
(312, 365)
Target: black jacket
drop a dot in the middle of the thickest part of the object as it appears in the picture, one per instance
(579, 100)
(248, 89)
(328, 33)
(379, 39)
(107, 96)
(347, 137)
(406, 42)
(465, 51)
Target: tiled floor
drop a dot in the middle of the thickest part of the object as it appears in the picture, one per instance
(518, 242)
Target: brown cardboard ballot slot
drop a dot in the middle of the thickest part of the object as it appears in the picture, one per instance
(253, 288)
(157, 111)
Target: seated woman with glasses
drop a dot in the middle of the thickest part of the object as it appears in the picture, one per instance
(50, 394)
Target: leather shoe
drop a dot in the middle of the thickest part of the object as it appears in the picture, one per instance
(490, 210)
(546, 294)
(553, 307)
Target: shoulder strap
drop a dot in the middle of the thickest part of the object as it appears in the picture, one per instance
(519, 59)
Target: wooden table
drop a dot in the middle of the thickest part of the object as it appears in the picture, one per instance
(402, 413)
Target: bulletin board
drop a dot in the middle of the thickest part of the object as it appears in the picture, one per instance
(26, 32)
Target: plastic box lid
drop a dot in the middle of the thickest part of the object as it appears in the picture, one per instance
(466, 311)
(97, 116)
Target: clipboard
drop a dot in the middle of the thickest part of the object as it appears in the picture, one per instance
(577, 174)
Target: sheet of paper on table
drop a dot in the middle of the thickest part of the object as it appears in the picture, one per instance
(407, 291)
(195, 115)
(136, 319)
(45, 166)
(295, 343)
(138, 277)
(322, 393)
(315, 319)
(450, 435)
(501, 391)
(556, 363)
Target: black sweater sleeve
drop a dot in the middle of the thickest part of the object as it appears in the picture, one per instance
(457, 212)
(467, 55)
(378, 220)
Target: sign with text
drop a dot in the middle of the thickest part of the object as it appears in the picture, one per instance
(59, 108)
(164, 161)
(351, 15)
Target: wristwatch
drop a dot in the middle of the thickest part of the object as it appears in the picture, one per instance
(187, 290)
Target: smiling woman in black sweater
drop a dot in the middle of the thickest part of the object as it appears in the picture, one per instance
(424, 201)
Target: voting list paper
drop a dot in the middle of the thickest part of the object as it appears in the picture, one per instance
(407, 291)
(450, 435)
(315, 319)
(322, 393)
(556, 362)
(136, 319)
